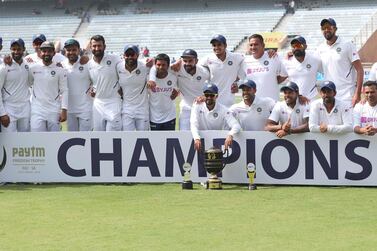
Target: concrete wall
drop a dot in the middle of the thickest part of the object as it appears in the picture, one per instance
(368, 53)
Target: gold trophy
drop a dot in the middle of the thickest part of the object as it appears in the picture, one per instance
(251, 174)
(187, 183)
(213, 163)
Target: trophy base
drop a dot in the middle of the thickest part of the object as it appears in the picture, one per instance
(252, 187)
(187, 184)
(214, 184)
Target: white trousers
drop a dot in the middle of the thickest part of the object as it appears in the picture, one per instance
(79, 122)
(107, 115)
(132, 124)
(184, 120)
(19, 125)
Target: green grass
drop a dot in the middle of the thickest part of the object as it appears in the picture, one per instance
(163, 217)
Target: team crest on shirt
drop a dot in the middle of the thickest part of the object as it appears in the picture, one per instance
(259, 109)
(297, 110)
(108, 62)
(198, 78)
(338, 50)
(137, 72)
(81, 68)
(53, 73)
(215, 114)
(266, 62)
(230, 62)
(335, 110)
(169, 82)
(308, 66)
(26, 67)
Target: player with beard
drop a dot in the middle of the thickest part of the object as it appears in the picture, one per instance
(210, 115)
(253, 111)
(365, 114)
(15, 95)
(104, 76)
(329, 114)
(133, 75)
(289, 116)
(303, 67)
(37, 56)
(49, 101)
(80, 104)
(340, 60)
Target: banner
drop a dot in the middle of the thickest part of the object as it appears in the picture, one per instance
(301, 159)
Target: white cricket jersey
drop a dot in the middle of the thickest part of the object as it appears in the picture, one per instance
(104, 77)
(191, 86)
(14, 86)
(224, 74)
(282, 113)
(373, 73)
(58, 58)
(218, 118)
(79, 84)
(161, 107)
(304, 74)
(364, 114)
(49, 87)
(337, 66)
(135, 92)
(254, 117)
(339, 120)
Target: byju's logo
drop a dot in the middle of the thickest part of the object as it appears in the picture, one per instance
(3, 163)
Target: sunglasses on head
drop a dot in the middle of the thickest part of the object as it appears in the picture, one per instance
(297, 46)
(210, 95)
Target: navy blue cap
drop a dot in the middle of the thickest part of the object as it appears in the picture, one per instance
(71, 42)
(292, 86)
(18, 41)
(218, 38)
(328, 85)
(131, 47)
(212, 88)
(1, 40)
(189, 53)
(248, 83)
(41, 37)
(328, 20)
(47, 45)
(298, 39)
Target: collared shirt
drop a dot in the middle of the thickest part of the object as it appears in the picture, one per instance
(161, 107)
(191, 86)
(49, 87)
(264, 72)
(14, 86)
(337, 66)
(338, 120)
(218, 118)
(297, 115)
(364, 114)
(304, 74)
(224, 74)
(253, 117)
(135, 92)
(79, 85)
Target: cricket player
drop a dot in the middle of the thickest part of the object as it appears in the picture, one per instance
(210, 115)
(329, 114)
(162, 95)
(133, 76)
(365, 114)
(80, 103)
(289, 116)
(104, 76)
(49, 101)
(36, 56)
(253, 111)
(15, 95)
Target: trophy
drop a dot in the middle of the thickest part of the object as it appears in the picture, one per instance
(213, 163)
(187, 183)
(251, 174)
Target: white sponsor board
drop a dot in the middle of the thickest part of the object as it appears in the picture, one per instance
(305, 159)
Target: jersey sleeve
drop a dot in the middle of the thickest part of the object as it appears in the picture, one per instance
(275, 113)
(373, 73)
(232, 123)
(353, 55)
(194, 122)
(347, 123)
(2, 83)
(314, 118)
(63, 88)
(357, 115)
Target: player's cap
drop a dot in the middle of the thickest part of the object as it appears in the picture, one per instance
(132, 47)
(40, 37)
(298, 39)
(71, 42)
(248, 83)
(47, 45)
(189, 53)
(218, 38)
(1, 41)
(18, 41)
(292, 86)
(328, 85)
(329, 20)
(211, 88)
